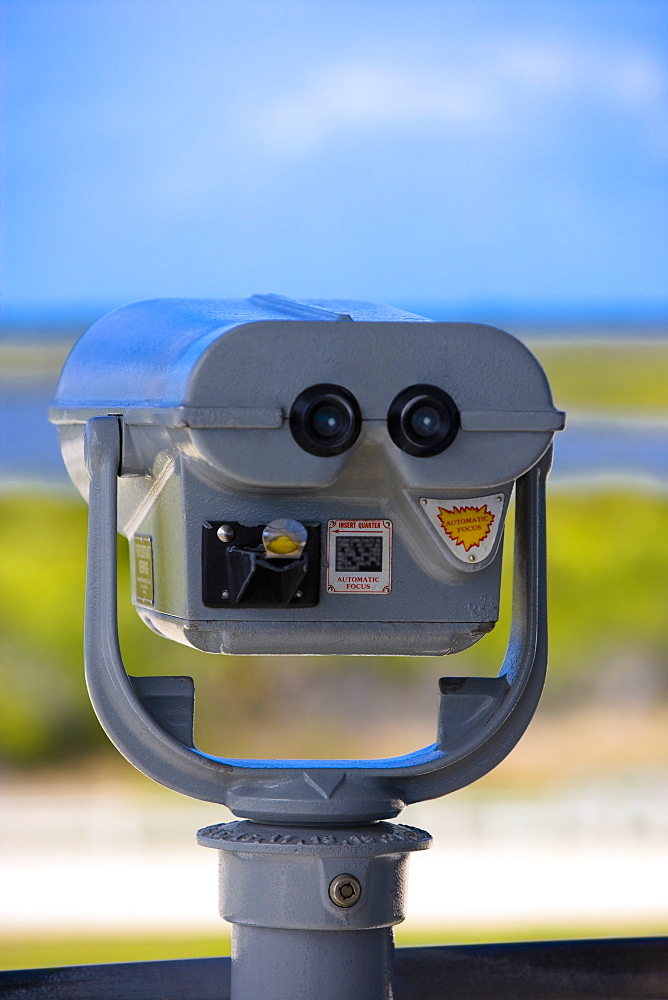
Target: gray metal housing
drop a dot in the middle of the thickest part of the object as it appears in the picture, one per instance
(203, 388)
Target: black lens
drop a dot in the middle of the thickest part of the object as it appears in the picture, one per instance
(426, 421)
(423, 420)
(325, 419)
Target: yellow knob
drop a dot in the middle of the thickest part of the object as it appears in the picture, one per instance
(284, 538)
(282, 545)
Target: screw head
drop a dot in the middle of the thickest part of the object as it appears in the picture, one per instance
(225, 594)
(499, 499)
(345, 890)
(423, 501)
(225, 533)
(299, 594)
(330, 590)
(471, 558)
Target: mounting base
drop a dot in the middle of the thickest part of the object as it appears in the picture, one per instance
(312, 908)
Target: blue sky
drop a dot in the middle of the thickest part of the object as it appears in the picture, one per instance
(506, 154)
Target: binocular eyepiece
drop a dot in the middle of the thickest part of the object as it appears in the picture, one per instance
(423, 420)
(325, 419)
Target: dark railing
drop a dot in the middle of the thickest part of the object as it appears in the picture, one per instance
(607, 969)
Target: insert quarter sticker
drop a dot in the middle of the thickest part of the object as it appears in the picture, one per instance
(359, 557)
(468, 528)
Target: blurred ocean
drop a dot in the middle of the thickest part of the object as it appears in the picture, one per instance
(592, 447)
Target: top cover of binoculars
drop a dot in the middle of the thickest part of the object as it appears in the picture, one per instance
(313, 476)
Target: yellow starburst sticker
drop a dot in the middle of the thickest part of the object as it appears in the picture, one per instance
(467, 526)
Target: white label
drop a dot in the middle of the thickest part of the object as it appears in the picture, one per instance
(467, 528)
(359, 557)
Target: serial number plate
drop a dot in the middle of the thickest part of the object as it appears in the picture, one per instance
(359, 557)
(143, 553)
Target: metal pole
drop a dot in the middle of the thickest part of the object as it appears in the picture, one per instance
(312, 908)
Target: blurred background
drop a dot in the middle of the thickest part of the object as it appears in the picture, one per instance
(499, 161)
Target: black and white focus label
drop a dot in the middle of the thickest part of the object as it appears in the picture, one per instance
(359, 557)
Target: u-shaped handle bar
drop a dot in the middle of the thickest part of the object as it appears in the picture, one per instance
(480, 719)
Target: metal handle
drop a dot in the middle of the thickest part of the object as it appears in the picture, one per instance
(480, 719)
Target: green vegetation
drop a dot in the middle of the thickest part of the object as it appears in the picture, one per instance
(620, 377)
(38, 952)
(29, 359)
(608, 590)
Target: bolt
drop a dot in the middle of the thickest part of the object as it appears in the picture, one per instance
(500, 499)
(423, 501)
(331, 523)
(330, 590)
(225, 594)
(345, 890)
(299, 594)
(386, 590)
(387, 524)
(471, 558)
(225, 533)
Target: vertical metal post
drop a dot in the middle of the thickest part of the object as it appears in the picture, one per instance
(312, 908)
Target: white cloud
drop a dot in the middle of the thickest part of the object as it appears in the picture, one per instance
(357, 95)
(478, 92)
(632, 77)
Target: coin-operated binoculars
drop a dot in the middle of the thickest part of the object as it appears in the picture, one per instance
(310, 477)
